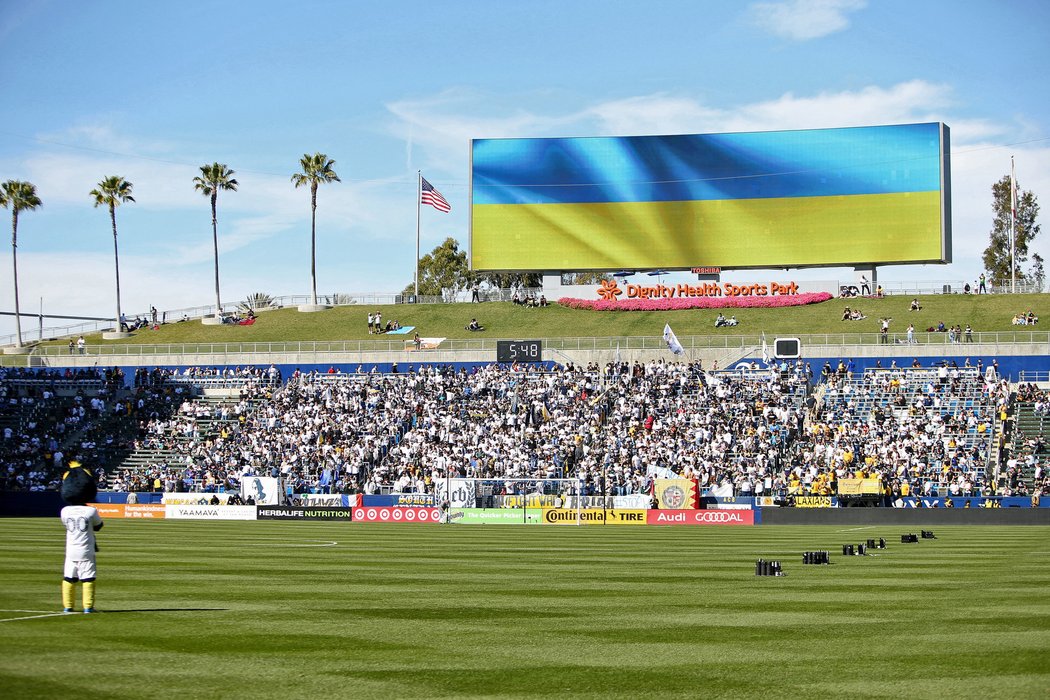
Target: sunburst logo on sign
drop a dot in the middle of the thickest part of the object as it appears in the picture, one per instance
(609, 290)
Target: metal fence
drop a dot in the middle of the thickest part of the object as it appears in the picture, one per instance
(624, 343)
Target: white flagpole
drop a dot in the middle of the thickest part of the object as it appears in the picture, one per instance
(1013, 227)
(419, 194)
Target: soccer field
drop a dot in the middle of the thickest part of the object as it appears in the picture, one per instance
(283, 610)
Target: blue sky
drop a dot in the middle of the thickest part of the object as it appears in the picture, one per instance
(151, 91)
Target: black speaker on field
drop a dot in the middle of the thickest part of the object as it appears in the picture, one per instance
(909, 538)
(871, 544)
(928, 535)
(768, 568)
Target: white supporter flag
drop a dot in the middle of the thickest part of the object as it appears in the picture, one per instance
(672, 341)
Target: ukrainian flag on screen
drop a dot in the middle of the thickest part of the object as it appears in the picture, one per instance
(763, 199)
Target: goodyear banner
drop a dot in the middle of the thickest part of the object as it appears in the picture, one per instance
(675, 494)
(815, 502)
(495, 516)
(593, 516)
(860, 487)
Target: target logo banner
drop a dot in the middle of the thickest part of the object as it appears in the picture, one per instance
(397, 515)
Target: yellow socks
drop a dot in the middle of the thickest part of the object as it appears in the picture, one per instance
(67, 595)
(89, 595)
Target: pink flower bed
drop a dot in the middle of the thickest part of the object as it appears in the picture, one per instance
(677, 303)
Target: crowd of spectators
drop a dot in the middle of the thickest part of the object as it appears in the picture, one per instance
(756, 432)
(923, 432)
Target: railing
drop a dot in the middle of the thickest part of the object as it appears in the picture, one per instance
(623, 343)
(1030, 376)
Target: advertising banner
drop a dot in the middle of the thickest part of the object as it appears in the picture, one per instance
(816, 502)
(495, 516)
(193, 499)
(395, 500)
(149, 511)
(674, 494)
(120, 510)
(700, 517)
(266, 490)
(860, 487)
(109, 510)
(458, 493)
(328, 500)
(366, 514)
(590, 516)
(188, 512)
(302, 513)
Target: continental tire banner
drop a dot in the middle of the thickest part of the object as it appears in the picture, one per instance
(589, 516)
(302, 513)
(411, 514)
(675, 494)
(815, 502)
(495, 516)
(700, 517)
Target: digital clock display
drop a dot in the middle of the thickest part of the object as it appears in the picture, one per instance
(519, 351)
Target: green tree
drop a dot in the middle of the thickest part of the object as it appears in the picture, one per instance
(111, 193)
(18, 196)
(213, 178)
(443, 271)
(997, 254)
(506, 280)
(316, 169)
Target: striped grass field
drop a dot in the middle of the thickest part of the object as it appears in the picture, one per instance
(291, 609)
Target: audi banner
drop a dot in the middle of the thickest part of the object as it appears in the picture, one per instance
(700, 517)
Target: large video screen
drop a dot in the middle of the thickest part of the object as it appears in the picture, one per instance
(818, 197)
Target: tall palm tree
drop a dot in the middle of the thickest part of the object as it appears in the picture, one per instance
(19, 196)
(213, 178)
(112, 192)
(316, 168)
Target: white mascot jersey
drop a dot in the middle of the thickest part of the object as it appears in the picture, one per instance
(80, 522)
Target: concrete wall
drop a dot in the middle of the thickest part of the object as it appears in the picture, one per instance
(909, 517)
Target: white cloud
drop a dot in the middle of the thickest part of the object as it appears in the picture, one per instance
(802, 20)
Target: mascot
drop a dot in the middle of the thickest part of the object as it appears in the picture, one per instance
(81, 522)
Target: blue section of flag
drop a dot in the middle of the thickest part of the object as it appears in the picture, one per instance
(758, 165)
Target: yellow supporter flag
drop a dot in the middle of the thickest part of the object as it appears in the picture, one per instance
(676, 494)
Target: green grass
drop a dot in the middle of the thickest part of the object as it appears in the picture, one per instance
(505, 320)
(215, 610)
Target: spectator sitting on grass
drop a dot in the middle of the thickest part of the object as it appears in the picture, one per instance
(474, 325)
(914, 305)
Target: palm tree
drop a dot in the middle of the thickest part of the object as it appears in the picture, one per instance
(19, 196)
(213, 178)
(316, 168)
(112, 192)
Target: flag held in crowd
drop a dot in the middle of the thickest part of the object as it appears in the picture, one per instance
(672, 341)
(428, 195)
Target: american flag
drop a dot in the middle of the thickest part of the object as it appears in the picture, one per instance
(432, 197)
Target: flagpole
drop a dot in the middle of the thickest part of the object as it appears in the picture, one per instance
(419, 194)
(1013, 227)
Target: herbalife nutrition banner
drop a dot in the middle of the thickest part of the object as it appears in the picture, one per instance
(303, 513)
